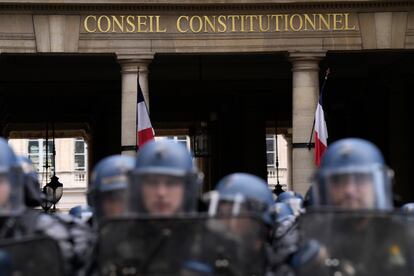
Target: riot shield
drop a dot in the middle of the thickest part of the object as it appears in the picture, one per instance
(357, 243)
(33, 256)
(185, 245)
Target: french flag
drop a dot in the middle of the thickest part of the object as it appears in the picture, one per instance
(144, 128)
(321, 131)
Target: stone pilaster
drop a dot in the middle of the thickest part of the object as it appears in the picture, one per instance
(305, 92)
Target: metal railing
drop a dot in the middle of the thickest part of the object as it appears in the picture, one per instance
(80, 176)
(271, 172)
(69, 179)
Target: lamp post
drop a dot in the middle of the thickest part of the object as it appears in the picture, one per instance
(53, 190)
(200, 142)
(278, 188)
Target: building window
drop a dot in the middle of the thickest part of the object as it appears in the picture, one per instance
(38, 156)
(34, 153)
(80, 154)
(270, 150)
(183, 139)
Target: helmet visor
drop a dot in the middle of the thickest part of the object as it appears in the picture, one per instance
(111, 204)
(236, 205)
(11, 193)
(161, 194)
(356, 188)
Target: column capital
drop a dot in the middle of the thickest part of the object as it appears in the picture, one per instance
(136, 56)
(306, 61)
(132, 63)
(143, 67)
(128, 66)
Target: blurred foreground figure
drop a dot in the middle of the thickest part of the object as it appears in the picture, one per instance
(29, 237)
(350, 228)
(164, 181)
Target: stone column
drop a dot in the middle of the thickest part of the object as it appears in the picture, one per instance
(143, 80)
(288, 137)
(305, 92)
(129, 106)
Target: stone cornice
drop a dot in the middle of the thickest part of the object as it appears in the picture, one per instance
(162, 5)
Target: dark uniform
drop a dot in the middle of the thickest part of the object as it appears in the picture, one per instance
(22, 228)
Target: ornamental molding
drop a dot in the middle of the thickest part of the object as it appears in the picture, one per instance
(164, 7)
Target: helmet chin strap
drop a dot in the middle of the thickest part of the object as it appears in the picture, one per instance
(238, 199)
(214, 200)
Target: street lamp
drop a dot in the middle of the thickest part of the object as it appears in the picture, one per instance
(46, 202)
(53, 190)
(200, 140)
(278, 188)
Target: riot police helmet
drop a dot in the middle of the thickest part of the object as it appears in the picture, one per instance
(82, 212)
(242, 192)
(108, 188)
(408, 208)
(164, 181)
(33, 196)
(293, 199)
(11, 186)
(353, 176)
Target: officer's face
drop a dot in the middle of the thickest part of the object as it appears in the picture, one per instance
(242, 227)
(352, 191)
(4, 190)
(113, 203)
(162, 195)
(239, 224)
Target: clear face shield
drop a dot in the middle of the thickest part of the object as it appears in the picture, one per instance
(11, 193)
(239, 217)
(358, 188)
(111, 204)
(111, 197)
(159, 194)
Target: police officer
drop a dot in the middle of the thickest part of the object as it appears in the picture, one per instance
(18, 221)
(408, 208)
(354, 180)
(288, 207)
(293, 199)
(107, 197)
(107, 192)
(165, 181)
(353, 176)
(11, 183)
(82, 212)
(236, 198)
(33, 196)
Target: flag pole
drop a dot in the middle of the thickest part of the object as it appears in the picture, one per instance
(136, 116)
(328, 71)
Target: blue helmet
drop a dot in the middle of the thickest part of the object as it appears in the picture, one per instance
(408, 208)
(11, 186)
(353, 175)
(33, 196)
(287, 195)
(293, 199)
(109, 182)
(246, 189)
(82, 212)
(165, 158)
(283, 211)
